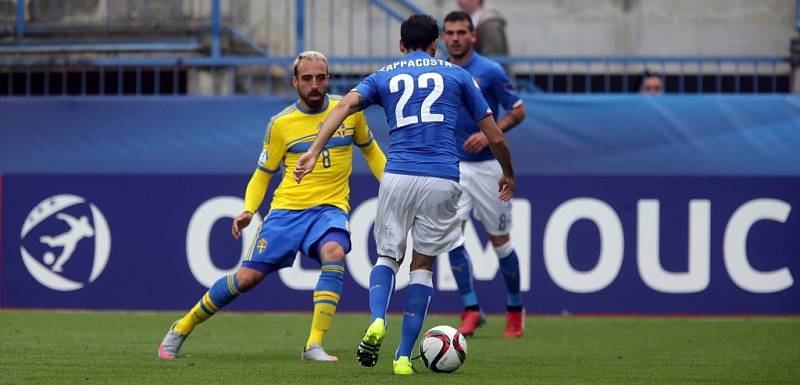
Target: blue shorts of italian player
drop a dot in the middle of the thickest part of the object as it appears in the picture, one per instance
(285, 232)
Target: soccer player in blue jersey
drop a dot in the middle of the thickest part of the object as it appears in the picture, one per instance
(419, 191)
(479, 173)
(310, 217)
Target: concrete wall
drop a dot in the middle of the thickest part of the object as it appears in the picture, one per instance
(643, 27)
(536, 27)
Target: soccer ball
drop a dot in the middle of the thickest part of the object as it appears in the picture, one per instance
(443, 349)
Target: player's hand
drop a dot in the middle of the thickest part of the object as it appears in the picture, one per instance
(476, 142)
(305, 165)
(240, 222)
(506, 188)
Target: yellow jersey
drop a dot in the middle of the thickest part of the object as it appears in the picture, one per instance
(290, 133)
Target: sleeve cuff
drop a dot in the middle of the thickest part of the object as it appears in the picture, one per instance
(268, 171)
(364, 144)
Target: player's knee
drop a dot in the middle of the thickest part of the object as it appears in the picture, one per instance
(421, 261)
(499, 240)
(248, 279)
(332, 252)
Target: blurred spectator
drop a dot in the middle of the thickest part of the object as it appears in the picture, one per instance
(652, 84)
(489, 26)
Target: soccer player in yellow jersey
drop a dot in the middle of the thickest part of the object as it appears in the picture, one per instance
(310, 217)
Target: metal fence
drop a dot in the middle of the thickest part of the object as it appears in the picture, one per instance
(215, 47)
(271, 75)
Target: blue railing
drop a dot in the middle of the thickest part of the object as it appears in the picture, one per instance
(797, 16)
(261, 64)
(233, 75)
(278, 27)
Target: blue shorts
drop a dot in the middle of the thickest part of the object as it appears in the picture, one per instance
(285, 232)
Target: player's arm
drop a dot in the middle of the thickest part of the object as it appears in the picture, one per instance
(499, 147)
(478, 141)
(253, 196)
(363, 139)
(512, 118)
(349, 104)
(479, 111)
(504, 89)
(500, 85)
(268, 163)
(376, 159)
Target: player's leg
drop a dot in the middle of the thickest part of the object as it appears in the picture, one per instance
(495, 216)
(381, 287)
(435, 231)
(471, 317)
(273, 248)
(392, 222)
(415, 309)
(509, 267)
(221, 293)
(331, 249)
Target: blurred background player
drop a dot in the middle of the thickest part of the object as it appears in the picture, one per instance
(652, 84)
(490, 28)
(311, 217)
(479, 175)
(421, 96)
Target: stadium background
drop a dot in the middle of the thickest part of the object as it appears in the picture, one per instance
(151, 113)
(667, 223)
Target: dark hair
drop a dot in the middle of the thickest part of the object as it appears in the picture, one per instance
(650, 74)
(459, 16)
(418, 32)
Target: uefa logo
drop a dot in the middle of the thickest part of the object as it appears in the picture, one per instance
(65, 242)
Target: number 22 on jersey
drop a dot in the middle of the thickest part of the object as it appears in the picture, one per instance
(408, 90)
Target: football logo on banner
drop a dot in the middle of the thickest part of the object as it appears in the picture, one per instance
(56, 240)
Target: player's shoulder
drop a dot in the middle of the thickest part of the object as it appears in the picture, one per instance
(460, 75)
(333, 100)
(276, 121)
(488, 65)
(283, 114)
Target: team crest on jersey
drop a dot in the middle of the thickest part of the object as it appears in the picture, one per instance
(261, 245)
(341, 131)
(477, 83)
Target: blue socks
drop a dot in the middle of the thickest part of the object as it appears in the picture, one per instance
(224, 291)
(462, 271)
(381, 286)
(509, 267)
(332, 277)
(418, 297)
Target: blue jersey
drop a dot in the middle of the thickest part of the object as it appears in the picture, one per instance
(498, 91)
(422, 97)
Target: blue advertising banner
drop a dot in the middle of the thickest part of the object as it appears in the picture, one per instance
(563, 135)
(587, 244)
(625, 204)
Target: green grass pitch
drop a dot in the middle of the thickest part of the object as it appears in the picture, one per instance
(43, 347)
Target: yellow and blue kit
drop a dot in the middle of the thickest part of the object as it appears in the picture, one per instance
(301, 213)
(303, 216)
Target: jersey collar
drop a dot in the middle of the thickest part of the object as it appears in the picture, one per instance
(472, 58)
(314, 111)
(414, 54)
